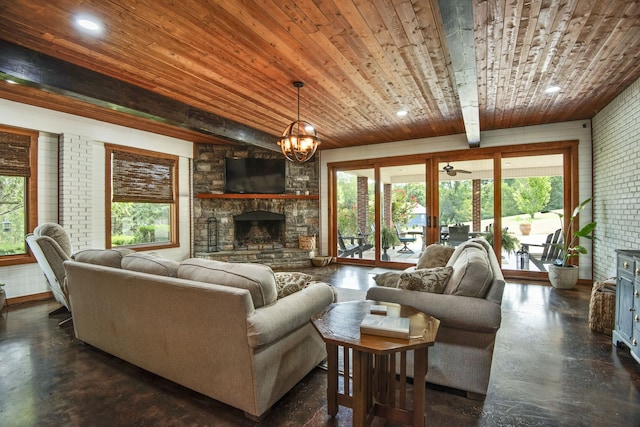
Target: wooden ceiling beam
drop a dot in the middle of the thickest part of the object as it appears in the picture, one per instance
(36, 70)
(457, 17)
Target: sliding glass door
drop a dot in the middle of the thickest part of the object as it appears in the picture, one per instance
(465, 199)
(397, 233)
(533, 193)
(385, 212)
(355, 192)
(403, 212)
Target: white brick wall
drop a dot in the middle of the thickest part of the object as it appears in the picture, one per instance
(75, 189)
(47, 177)
(616, 161)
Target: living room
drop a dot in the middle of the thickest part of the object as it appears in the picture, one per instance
(71, 190)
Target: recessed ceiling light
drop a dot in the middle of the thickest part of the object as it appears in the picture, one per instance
(11, 82)
(402, 113)
(552, 89)
(88, 24)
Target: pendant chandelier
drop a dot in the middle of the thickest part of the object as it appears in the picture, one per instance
(300, 139)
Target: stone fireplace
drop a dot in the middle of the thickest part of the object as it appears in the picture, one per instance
(262, 228)
(259, 230)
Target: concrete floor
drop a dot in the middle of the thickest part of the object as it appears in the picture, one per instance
(549, 369)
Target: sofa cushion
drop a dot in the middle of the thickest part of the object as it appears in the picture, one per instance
(106, 257)
(150, 263)
(432, 280)
(388, 279)
(258, 279)
(290, 282)
(472, 274)
(435, 255)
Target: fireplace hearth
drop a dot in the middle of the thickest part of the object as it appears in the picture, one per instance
(259, 230)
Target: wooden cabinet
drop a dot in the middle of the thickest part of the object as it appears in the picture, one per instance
(627, 321)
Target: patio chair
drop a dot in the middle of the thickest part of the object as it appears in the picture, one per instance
(550, 251)
(404, 239)
(458, 234)
(348, 250)
(444, 233)
(363, 239)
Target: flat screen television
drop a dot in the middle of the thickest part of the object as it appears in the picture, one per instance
(259, 176)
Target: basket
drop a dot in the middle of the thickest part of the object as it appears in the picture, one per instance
(321, 261)
(308, 243)
(602, 307)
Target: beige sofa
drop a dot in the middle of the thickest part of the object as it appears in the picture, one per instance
(469, 310)
(230, 339)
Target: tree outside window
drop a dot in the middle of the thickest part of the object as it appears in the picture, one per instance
(12, 215)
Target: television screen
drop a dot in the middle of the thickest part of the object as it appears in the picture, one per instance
(260, 176)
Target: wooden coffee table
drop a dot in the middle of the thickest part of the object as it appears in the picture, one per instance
(376, 389)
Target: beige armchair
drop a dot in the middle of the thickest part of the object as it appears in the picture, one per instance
(470, 315)
(51, 246)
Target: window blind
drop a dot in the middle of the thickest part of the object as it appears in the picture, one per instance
(14, 154)
(143, 179)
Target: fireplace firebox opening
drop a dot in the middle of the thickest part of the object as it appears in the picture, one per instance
(259, 230)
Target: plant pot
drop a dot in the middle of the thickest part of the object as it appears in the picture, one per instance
(385, 255)
(525, 229)
(563, 277)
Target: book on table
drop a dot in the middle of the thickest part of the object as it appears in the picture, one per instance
(386, 326)
(378, 309)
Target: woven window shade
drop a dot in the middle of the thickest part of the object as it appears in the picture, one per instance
(142, 179)
(14, 154)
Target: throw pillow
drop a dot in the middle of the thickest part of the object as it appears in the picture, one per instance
(472, 274)
(433, 280)
(150, 263)
(288, 283)
(388, 279)
(435, 256)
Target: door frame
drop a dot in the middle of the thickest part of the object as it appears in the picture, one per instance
(569, 149)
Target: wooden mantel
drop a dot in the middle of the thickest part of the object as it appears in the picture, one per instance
(257, 196)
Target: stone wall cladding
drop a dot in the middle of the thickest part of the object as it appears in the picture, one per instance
(616, 161)
(302, 216)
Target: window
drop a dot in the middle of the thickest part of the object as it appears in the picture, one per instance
(18, 193)
(142, 206)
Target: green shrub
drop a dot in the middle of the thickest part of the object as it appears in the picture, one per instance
(120, 240)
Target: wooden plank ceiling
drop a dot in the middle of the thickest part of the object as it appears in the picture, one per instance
(361, 61)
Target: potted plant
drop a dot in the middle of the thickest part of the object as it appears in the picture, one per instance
(562, 274)
(510, 242)
(524, 225)
(388, 238)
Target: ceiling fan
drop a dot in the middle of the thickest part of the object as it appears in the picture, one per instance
(451, 171)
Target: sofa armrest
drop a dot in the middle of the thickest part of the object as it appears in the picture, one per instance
(460, 312)
(269, 323)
